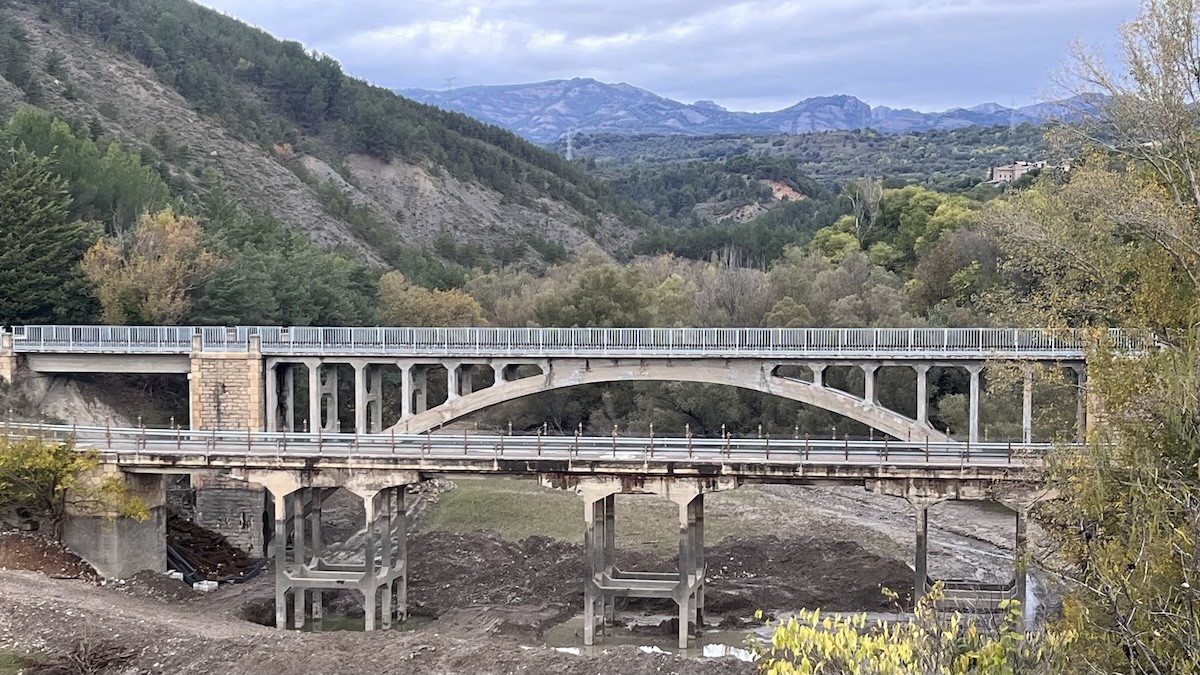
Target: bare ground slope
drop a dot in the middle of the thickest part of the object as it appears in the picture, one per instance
(415, 200)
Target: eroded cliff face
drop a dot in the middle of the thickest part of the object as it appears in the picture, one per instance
(60, 399)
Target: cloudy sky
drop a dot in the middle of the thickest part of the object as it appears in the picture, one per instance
(745, 55)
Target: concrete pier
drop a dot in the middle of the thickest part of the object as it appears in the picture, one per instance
(303, 571)
(119, 547)
(605, 581)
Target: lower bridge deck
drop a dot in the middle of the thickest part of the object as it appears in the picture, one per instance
(299, 470)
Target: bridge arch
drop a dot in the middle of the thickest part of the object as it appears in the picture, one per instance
(753, 375)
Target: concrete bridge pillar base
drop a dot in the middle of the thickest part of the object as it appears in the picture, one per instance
(604, 581)
(120, 547)
(302, 572)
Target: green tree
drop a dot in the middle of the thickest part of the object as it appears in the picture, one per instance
(49, 477)
(149, 275)
(41, 247)
(1117, 243)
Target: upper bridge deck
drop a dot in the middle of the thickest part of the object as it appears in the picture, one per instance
(901, 344)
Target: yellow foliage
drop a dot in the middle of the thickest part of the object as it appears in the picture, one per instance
(930, 642)
(148, 275)
(47, 477)
(405, 304)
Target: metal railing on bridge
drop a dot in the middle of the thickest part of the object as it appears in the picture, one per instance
(252, 446)
(899, 343)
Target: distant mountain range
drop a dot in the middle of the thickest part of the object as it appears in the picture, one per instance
(544, 111)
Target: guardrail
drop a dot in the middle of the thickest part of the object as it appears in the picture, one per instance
(633, 450)
(535, 342)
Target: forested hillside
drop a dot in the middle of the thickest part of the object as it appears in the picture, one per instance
(944, 159)
(294, 137)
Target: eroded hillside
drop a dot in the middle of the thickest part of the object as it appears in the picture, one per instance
(304, 175)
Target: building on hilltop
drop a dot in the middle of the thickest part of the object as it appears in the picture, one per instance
(1008, 173)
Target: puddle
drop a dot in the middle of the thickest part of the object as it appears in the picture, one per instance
(334, 623)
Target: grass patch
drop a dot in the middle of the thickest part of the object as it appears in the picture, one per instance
(12, 663)
(516, 509)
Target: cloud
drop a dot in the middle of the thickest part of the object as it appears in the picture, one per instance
(748, 54)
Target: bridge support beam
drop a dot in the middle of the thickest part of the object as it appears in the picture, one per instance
(604, 581)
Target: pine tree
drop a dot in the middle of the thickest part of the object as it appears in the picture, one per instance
(41, 280)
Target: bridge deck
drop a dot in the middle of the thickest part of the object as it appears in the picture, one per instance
(810, 343)
(762, 460)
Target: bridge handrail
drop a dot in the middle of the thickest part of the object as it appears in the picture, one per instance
(567, 341)
(180, 442)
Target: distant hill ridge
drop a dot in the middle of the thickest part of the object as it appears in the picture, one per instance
(545, 111)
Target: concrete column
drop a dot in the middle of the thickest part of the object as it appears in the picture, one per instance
(272, 398)
(299, 519)
(608, 557)
(590, 590)
(388, 522)
(920, 564)
(1021, 561)
(399, 587)
(376, 399)
(466, 379)
(687, 567)
(501, 370)
(1027, 405)
(360, 398)
(869, 384)
(406, 392)
(420, 389)
(330, 391)
(818, 371)
(279, 548)
(973, 426)
(698, 544)
(922, 394)
(452, 385)
(289, 396)
(314, 394)
(1081, 404)
(370, 546)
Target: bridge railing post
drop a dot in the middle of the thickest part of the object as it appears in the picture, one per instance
(807, 446)
(427, 448)
(768, 446)
(846, 446)
(885, 448)
(926, 448)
